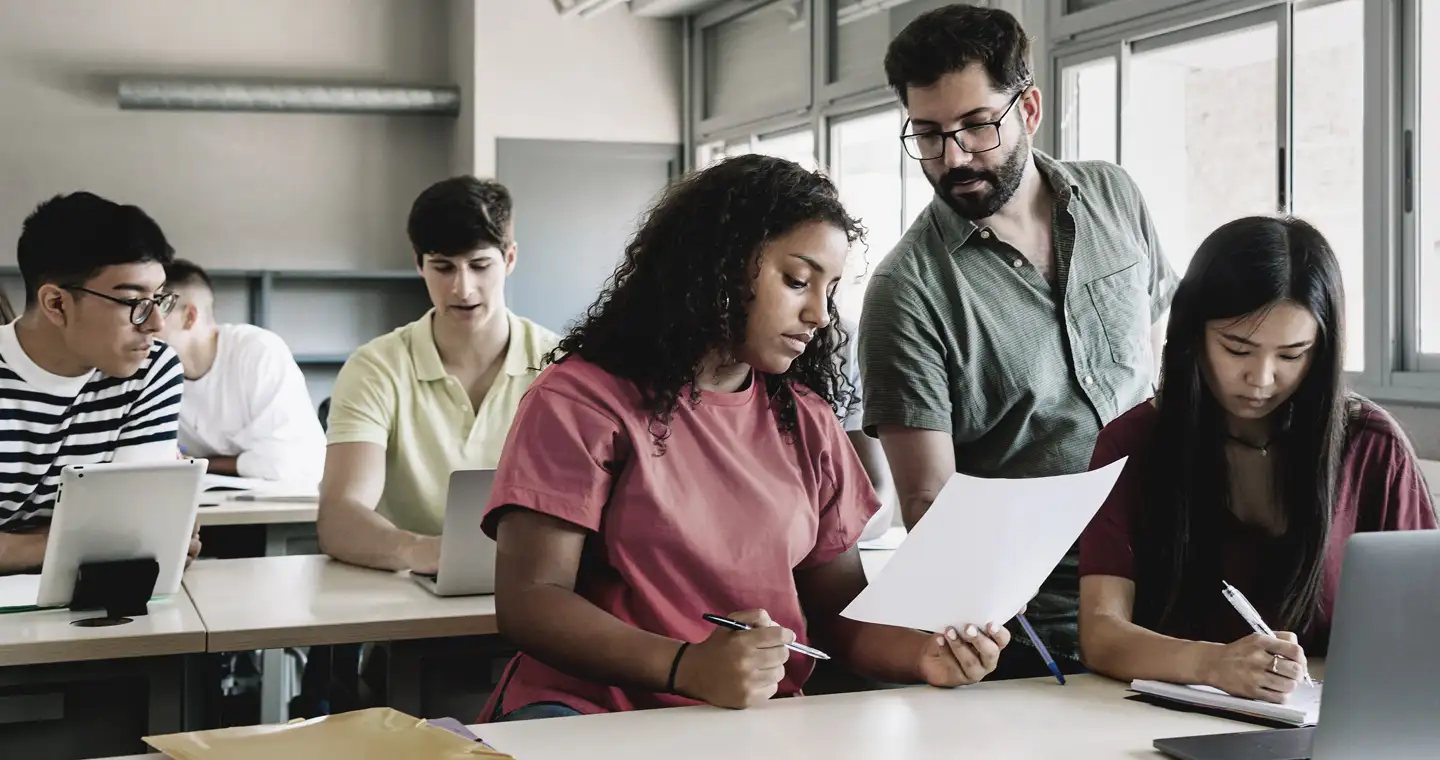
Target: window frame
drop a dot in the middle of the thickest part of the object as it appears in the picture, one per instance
(834, 120)
(1075, 58)
(1395, 370)
(707, 127)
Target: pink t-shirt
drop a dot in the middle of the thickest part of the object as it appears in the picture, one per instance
(718, 523)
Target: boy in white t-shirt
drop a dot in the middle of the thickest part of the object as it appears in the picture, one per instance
(246, 407)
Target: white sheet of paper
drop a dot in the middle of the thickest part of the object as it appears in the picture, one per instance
(1301, 709)
(19, 590)
(982, 550)
(229, 485)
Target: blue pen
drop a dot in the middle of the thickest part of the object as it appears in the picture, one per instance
(1044, 653)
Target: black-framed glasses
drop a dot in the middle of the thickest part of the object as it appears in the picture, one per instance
(140, 308)
(975, 138)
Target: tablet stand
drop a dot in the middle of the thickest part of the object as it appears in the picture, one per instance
(120, 587)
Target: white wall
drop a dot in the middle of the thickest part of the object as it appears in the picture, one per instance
(612, 77)
(301, 190)
(232, 189)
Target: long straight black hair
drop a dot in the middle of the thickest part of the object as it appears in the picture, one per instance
(1243, 268)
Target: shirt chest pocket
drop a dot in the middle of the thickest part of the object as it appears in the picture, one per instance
(1121, 304)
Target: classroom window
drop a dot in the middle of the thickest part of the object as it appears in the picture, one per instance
(1089, 111)
(758, 63)
(1328, 121)
(797, 146)
(865, 160)
(1204, 146)
(1427, 144)
(918, 190)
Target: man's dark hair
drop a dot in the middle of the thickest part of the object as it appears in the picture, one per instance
(182, 273)
(459, 215)
(949, 39)
(68, 239)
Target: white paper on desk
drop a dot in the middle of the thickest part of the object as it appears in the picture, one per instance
(19, 591)
(982, 550)
(228, 483)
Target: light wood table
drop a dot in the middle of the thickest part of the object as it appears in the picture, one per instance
(282, 520)
(1087, 719)
(271, 603)
(66, 689)
(1037, 719)
(276, 602)
(43, 636)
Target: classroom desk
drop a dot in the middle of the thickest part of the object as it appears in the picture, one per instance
(271, 603)
(1087, 719)
(1036, 719)
(66, 689)
(282, 520)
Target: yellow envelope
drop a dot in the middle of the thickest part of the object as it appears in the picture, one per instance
(378, 733)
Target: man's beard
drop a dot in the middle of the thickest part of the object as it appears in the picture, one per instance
(996, 190)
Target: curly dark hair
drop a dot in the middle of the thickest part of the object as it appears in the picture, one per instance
(684, 287)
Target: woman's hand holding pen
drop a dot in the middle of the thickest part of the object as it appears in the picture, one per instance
(736, 669)
(1258, 667)
(959, 658)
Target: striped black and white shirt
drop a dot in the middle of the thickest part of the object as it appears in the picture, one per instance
(48, 422)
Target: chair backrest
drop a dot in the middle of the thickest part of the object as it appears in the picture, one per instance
(324, 414)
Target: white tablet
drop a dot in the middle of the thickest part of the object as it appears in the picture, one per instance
(118, 511)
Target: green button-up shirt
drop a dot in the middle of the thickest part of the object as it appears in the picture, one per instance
(961, 334)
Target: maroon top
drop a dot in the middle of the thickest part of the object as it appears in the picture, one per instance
(1380, 488)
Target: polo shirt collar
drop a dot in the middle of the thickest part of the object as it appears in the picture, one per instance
(423, 351)
(1060, 179)
(520, 355)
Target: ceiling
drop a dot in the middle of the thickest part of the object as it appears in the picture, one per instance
(646, 8)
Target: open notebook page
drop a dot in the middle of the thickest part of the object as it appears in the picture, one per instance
(1302, 709)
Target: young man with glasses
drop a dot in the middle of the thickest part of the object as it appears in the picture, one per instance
(1018, 315)
(82, 377)
(247, 409)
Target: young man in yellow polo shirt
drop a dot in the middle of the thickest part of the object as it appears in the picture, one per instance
(433, 396)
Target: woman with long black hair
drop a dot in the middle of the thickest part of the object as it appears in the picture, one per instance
(1252, 467)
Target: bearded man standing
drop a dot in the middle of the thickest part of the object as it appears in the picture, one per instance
(1021, 312)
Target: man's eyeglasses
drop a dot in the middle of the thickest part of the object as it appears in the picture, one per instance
(140, 308)
(976, 138)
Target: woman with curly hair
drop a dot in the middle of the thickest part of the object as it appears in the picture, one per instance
(685, 457)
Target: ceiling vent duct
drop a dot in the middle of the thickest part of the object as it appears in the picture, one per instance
(192, 95)
(584, 8)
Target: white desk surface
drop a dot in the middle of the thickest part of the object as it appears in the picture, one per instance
(258, 512)
(1087, 719)
(43, 636)
(276, 602)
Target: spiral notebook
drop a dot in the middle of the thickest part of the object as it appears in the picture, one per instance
(1302, 709)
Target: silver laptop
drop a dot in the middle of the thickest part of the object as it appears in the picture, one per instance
(1382, 673)
(467, 555)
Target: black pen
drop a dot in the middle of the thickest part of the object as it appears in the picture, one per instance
(736, 625)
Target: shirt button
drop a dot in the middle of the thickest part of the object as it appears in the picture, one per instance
(1017, 263)
(985, 234)
(1089, 380)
